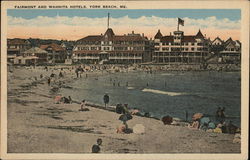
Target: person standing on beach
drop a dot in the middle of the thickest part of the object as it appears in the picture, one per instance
(49, 81)
(106, 99)
(76, 71)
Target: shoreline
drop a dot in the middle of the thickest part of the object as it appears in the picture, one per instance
(146, 67)
(64, 120)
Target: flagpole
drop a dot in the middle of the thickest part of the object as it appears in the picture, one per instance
(108, 20)
(178, 26)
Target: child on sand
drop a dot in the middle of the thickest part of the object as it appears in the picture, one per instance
(82, 105)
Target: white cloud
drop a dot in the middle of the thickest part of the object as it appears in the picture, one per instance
(153, 21)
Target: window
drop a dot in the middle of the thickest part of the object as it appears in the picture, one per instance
(192, 49)
(192, 44)
(165, 48)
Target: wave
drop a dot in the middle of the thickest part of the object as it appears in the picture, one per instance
(167, 74)
(130, 88)
(162, 92)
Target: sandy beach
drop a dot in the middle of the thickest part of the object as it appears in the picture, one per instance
(37, 125)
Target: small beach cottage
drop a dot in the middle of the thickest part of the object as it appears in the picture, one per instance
(32, 56)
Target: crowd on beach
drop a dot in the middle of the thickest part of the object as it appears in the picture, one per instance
(199, 120)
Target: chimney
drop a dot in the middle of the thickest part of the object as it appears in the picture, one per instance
(133, 32)
(170, 34)
(142, 34)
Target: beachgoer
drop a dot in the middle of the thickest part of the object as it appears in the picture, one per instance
(66, 100)
(76, 71)
(49, 80)
(82, 105)
(60, 74)
(106, 99)
(119, 108)
(125, 109)
(186, 114)
(41, 76)
(223, 113)
(52, 75)
(218, 114)
(194, 125)
(70, 100)
(96, 147)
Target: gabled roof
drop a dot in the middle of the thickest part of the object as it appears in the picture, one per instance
(237, 41)
(35, 50)
(199, 35)
(217, 38)
(158, 35)
(92, 38)
(109, 32)
(228, 40)
(54, 47)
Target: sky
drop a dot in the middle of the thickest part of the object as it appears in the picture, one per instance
(73, 24)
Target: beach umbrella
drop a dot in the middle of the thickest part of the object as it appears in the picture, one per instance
(125, 117)
(204, 120)
(58, 98)
(197, 116)
(167, 120)
(138, 129)
(211, 125)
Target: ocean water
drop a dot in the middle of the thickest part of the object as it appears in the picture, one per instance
(165, 93)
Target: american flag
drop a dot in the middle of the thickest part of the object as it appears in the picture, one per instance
(180, 21)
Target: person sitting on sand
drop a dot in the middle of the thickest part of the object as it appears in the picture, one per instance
(96, 147)
(83, 106)
(65, 100)
(52, 75)
(70, 100)
(121, 129)
(194, 125)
